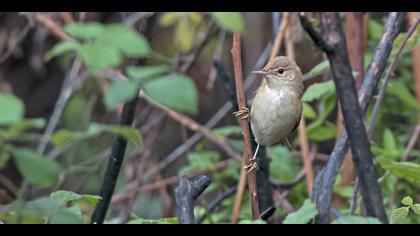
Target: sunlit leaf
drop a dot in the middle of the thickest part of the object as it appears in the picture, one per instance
(304, 215)
(308, 111)
(168, 19)
(399, 214)
(356, 220)
(407, 170)
(175, 91)
(184, 37)
(35, 168)
(408, 201)
(195, 17)
(12, 109)
(231, 21)
(416, 208)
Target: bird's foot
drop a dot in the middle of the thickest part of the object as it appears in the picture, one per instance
(251, 166)
(243, 113)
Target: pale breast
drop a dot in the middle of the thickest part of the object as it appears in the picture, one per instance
(272, 116)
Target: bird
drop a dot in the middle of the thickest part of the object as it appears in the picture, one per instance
(276, 109)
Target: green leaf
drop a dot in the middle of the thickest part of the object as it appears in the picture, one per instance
(72, 215)
(195, 17)
(308, 111)
(87, 200)
(85, 30)
(100, 55)
(303, 215)
(390, 144)
(399, 214)
(12, 109)
(375, 29)
(315, 91)
(408, 201)
(400, 90)
(175, 91)
(411, 43)
(129, 41)
(259, 222)
(173, 220)
(200, 161)
(184, 37)
(65, 136)
(319, 69)
(322, 133)
(35, 168)
(416, 209)
(42, 207)
(61, 48)
(65, 196)
(407, 170)
(282, 167)
(141, 74)
(230, 21)
(226, 131)
(119, 91)
(26, 124)
(168, 19)
(356, 220)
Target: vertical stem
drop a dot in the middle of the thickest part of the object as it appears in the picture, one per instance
(240, 95)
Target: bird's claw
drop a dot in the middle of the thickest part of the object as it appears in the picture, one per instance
(243, 113)
(251, 167)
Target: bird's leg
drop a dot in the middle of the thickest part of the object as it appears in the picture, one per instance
(252, 165)
(243, 113)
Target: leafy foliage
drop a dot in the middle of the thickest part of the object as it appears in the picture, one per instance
(302, 216)
(356, 220)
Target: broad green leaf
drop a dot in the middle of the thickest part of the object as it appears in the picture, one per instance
(416, 208)
(375, 29)
(141, 74)
(26, 124)
(319, 69)
(35, 168)
(158, 221)
(42, 207)
(259, 222)
(61, 48)
(201, 161)
(356, 220)
(399, 214)
(407, 170)
(175, 91)
(323, 133)
(168, 19)
(90, 200)
(100, 55)
(282, 166)
(129, 41)
(400, 90)
(390, 143)
(85, 30)
(308, 111)
(303, 215)
(129, 133)
(12, 109)
(119, 91)
(195, 17)
(72, 215)
(230, 21)
(65, 196)
(315, 91)
(184, 36)
(408, 201)
(74, 114)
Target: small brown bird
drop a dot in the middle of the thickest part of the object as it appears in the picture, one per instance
(276, 109)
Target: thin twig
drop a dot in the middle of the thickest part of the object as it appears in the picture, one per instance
(216, 202)
(195, 126)
(240, 95)
(240, 190)
(280, 34)
(52, 26)
(66, 17)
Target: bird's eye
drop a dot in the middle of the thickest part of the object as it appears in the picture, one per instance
(280, 71)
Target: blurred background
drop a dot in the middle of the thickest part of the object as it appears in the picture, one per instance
(76, 91)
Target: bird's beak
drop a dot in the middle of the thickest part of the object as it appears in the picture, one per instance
(260, 72)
